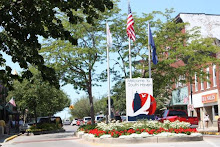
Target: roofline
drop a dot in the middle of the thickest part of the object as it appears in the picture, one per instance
(198, 14)
(178, 16)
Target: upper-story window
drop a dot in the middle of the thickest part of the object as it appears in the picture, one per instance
(214, 76)
(196, 83)
(202, 83)
(180, 82)
(207, 72)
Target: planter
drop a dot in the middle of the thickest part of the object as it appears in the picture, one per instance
(151, 139)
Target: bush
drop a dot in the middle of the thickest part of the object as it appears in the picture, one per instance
(87, 127)
(44, 127)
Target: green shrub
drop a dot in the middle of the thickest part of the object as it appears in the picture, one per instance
(87, 127)
(45, 127)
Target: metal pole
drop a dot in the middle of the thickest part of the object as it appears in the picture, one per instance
(108, 73)
(149, 48)
(191, 92)
(130, 56)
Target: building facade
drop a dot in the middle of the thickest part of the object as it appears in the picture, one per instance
(202, 96)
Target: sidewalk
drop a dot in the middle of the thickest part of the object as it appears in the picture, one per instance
(209, 131)
(7, 137)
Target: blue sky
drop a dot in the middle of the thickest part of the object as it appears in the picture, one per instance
(184, 6)
(139, 7)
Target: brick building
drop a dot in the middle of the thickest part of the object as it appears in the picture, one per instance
(205, 95)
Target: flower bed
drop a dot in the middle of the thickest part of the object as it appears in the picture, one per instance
(139, 128)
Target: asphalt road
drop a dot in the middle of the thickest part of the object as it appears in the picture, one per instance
(67, 139)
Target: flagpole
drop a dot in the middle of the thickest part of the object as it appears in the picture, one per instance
(130, 57)
(149, 48)
(108, 74)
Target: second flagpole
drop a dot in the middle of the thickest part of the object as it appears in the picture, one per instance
(130, 57)
(149, 48)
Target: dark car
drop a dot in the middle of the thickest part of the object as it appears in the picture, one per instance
(118, 118)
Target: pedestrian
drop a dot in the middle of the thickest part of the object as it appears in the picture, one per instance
(206, 119)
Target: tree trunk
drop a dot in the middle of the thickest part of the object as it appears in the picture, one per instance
(92, 113)
(35, 115)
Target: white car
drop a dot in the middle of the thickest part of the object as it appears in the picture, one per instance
(74, 121)
(66, 122)
(99, 118)
(86, 119)
(123, 118)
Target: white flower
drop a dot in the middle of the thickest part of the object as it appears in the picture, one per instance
(180, 135)
(145, 134)
(89, 135)
(165, 134)
(105, 136)
(134, 135)
(80, 132)
(196, 134)
(124, 136)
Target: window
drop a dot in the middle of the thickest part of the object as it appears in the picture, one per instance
(207, 72)
(214, 75)
(202, 84)
(177, 113)
(196, 83)
(180, 82)
(216, 110)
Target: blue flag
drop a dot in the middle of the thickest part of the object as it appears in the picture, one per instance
(151, 42)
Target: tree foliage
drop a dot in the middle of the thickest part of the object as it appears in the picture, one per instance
(23, 22)
(38, 96)
(77, 64)
(172, 45)
(82, 107)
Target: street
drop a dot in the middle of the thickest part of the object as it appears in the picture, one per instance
(68, 139)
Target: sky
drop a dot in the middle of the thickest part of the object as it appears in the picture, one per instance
(139, 7)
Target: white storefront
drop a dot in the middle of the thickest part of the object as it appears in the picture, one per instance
(206, 102)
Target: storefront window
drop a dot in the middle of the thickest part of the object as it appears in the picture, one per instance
(216, 110)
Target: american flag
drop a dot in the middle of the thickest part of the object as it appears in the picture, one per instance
(130, 24)
(12, 101)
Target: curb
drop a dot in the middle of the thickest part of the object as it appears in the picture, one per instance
(11, 137)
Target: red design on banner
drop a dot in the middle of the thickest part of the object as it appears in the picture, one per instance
(153, 103)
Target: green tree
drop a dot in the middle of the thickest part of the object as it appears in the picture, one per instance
(195, 52)
(23, 22)
(77, 65)
(82, 107)
(38, 96)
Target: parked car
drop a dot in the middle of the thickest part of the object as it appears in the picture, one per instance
(79, 122)
(99, 118)
(74, 121)
(181, 115)
(40, 120)
(66, 122)
(123, 118)
(118, 118)
(86, 119)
